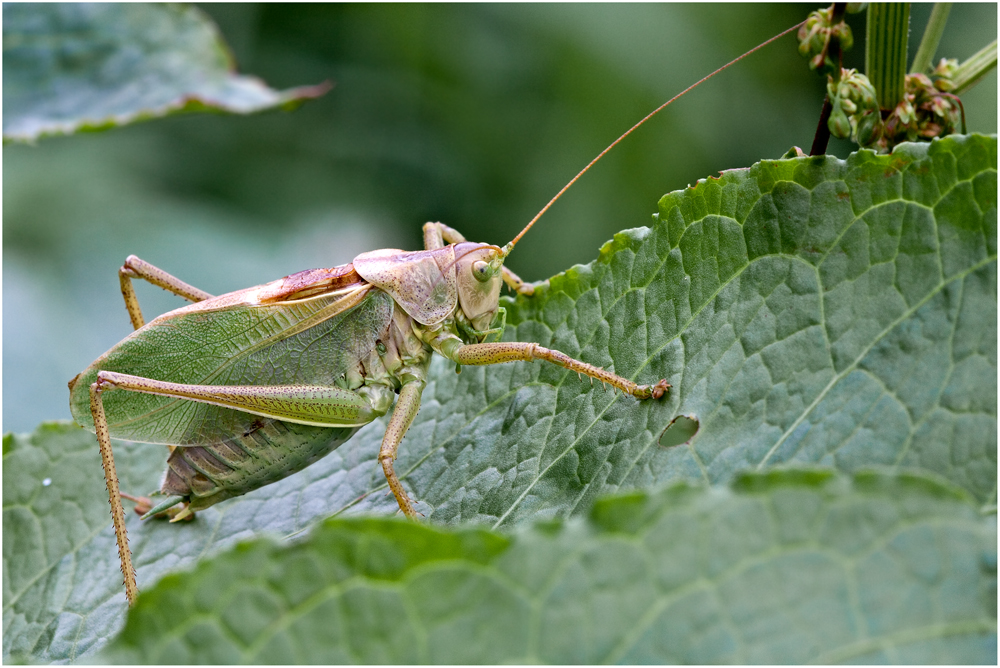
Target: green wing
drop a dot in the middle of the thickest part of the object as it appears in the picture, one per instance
(231, 341)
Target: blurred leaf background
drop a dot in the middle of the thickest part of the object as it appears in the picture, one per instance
(474, 115)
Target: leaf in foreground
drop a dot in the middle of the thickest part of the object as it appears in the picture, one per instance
(69, 67)
(787, 567)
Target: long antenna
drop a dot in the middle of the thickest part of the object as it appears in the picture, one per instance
(510, 246)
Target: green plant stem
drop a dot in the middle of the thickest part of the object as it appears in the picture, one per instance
(932, 37)
(972, 70)
(885, 51)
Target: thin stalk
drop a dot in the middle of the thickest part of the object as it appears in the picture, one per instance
(972, 70)
(932, 37)
(885, 51)
(822, 137)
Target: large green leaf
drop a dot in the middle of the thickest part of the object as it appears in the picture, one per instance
(787, 567)
(810, 310)
(71, 67)
(807, 311)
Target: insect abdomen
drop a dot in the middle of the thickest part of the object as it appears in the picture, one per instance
(270, 451)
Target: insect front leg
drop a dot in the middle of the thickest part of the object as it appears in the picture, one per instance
(437, 234)
(517, 284)
(136, 268)
(434, 235)
(114, 493)
(479, 354)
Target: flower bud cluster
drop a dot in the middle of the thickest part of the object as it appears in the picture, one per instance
(927, 110)
(855, 113)
(944, 73)
(815, 37)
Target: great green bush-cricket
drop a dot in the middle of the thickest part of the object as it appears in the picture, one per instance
(251, 386)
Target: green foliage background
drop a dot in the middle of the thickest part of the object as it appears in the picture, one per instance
(474, 115)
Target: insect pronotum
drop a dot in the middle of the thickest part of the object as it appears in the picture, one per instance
(239, 403)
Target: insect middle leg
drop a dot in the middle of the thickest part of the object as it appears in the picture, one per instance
(437, 234)
(137, 268)
(402, 417)
(479, 354)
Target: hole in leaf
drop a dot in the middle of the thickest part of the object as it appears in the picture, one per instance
(680, 430)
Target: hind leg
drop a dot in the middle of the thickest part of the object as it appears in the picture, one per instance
(114, 493)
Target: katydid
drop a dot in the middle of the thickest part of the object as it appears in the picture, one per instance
(249, 387)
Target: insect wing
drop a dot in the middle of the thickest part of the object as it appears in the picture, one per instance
(233, 340)
(422, 282)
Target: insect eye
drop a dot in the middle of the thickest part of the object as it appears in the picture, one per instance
(481, 270)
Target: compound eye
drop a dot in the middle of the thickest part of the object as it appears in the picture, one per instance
(481, 270)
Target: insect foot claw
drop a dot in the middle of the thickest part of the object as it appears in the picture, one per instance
(660, 389)
(143, 504)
